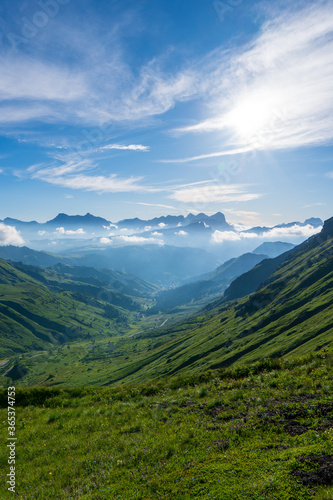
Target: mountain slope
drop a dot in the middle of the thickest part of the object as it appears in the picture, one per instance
(273, 248)
(210, 286)
(291, 313)
(159, 264)
(41, 308)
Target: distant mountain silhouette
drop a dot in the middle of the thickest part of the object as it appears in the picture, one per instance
(273, 248)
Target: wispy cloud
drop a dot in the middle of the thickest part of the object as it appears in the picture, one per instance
(72, 174)
(277, 92)
(244, 214)
(157, 205)
(227, 152)
(274, 92)
(319, 204)
(100, 183)
(123, 147)
(214, 193)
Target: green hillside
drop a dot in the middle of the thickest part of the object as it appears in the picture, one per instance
(256, 432)
(44, 308)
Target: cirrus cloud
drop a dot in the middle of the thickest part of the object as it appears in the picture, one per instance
(212, 192)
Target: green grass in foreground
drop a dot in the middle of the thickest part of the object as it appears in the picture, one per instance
(229, 434)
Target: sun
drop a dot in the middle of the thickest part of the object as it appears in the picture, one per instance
(252, 116)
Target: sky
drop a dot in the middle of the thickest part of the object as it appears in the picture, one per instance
(143, 108)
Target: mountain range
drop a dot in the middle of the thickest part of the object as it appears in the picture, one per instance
(288, 314)
(160, 264)
(263, 307)
(89, 221)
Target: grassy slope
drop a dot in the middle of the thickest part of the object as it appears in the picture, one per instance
(33, 317)
(231, 434)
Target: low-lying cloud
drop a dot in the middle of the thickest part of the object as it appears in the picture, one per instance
(10, 236)
(61, 231)
(295, 231)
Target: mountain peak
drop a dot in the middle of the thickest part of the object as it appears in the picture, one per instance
(314, 221)
(87, 219)
(328, 227)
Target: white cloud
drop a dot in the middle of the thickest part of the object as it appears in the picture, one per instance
(274, 92)
(245, 215)
(99, 87)
(153, 205)
(156, 233)
(226, 152)
(295, 230)
(222, 236)
(110, 227)
(71, 174)
(61, 231)
(105, 241)
(181, 233)
(9, 235)
(213, 193)
(147, 228)
(41, 233)
(131, 147)
(162, 225)
(138, 240)
(319, 204)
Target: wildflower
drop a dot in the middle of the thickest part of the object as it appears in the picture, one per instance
(50, 473)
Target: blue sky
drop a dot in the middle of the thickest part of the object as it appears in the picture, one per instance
(144, 108)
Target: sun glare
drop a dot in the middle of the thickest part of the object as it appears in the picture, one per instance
(253, 116)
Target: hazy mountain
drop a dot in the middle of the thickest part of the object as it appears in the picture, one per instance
(21, 224)
(75, 278)
(290, 313)
(160, 264)
(29, 256)
(208, 287)
(273, 248)
(250, 281)
(217, 221)
(77, 221)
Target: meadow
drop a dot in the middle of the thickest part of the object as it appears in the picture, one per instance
(261, 431)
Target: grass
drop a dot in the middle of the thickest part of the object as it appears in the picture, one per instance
(233, 433)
